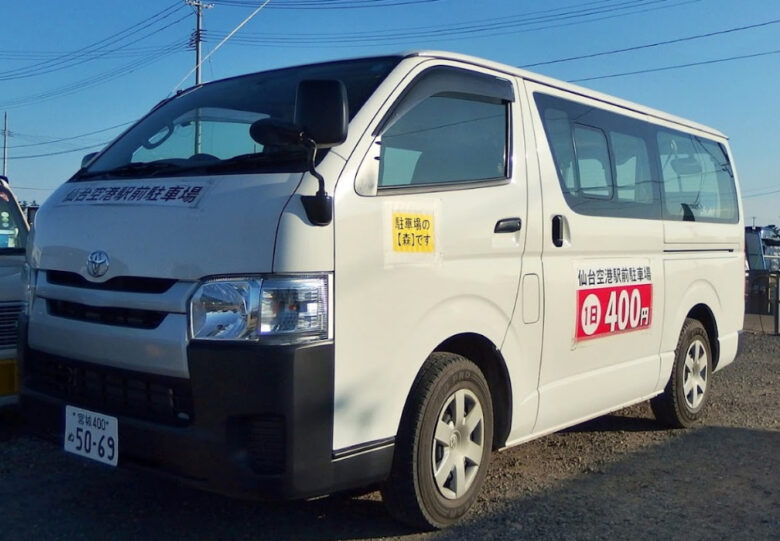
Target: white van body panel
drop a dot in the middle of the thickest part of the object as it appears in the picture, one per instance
(582, 378)
(11, 286)
(692, 283)
(181, 242)
(469, 283)
(299, 246)
(522, 348)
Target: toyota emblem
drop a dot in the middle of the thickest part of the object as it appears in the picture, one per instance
(97, 264)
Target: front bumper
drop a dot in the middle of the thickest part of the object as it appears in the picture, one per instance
(9, 385)
(251, 421)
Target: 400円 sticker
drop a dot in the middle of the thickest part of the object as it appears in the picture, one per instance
(613, 299)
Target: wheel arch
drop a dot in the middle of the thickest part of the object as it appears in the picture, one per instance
(702, 313)
(484, 353)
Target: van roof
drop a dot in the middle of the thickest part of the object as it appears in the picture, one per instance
(557, 83)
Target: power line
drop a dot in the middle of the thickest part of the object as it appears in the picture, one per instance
(92, 51)
(46, 155)
(123, 52)
(95, 79)
(676, 66)
(321, 4)
(17, 187)
(60, 140)
(214, 50)
(649, 45)
(529, 21)
(761, 194)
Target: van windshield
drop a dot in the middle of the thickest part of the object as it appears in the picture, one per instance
(13, 228)
(205, 130)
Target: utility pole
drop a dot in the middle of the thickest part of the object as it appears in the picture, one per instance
(5, 146)
(196, 40)
(198, 35)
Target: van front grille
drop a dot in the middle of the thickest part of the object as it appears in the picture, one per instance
(121, 317)
(130, 284)
(113, 391)
(266, 446)
(9, 316)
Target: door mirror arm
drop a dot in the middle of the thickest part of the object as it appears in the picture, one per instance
(318, 207)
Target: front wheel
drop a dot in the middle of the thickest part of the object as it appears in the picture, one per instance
(443, 445)
(682, 403)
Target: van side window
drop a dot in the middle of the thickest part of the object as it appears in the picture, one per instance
(556, 123)
(626, 166)
(633, 178)
(593, 166)
(445, 139)
(697, 179)
(450, 127)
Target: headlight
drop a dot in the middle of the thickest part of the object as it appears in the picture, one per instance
(278, 310)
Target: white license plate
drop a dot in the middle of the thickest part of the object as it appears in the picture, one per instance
(92, 435)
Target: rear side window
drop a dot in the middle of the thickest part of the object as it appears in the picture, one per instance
(595, 171)
(697, 179)
(613, 165)
(633, 178)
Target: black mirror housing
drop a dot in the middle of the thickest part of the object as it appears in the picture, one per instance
(88, 158)
(272, 132)
(322, 111)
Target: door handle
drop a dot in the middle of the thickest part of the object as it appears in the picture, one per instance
(557, 230)
(508, 225)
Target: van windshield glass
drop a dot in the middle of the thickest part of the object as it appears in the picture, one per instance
(205, 130)
(13, 228)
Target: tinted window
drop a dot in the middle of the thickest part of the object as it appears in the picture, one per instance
(633, 178)
(443, 139)
(206, 130)
(595, 172)
(697, 179)
(613, 165)
(13, 228)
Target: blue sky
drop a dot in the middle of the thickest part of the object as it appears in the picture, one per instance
(73, 68)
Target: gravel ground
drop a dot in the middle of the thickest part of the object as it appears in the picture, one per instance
(617, 477)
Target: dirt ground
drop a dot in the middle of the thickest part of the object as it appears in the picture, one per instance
(617, 477)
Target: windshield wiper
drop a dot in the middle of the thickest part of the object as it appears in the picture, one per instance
(285, 159)
(133, 169)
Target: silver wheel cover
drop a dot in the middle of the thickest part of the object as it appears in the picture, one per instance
(695, 374)
(458, 443)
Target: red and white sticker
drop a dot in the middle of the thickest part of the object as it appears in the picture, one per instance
(613, 299)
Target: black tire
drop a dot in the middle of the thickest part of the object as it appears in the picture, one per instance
(685, 397)
(412, 494)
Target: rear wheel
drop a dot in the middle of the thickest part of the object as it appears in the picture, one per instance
(686, 394)
(443, 446)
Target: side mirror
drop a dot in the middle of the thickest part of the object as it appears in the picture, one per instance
(30, 213)
(85, 161)
(322, 111)
(272, 132)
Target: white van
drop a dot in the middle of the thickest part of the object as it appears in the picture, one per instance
(13, 239)
(376, 272)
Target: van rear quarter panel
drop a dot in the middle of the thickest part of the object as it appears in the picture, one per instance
(708, 274)
(704, 263)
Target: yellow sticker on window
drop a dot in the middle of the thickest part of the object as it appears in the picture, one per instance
(412, 232)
